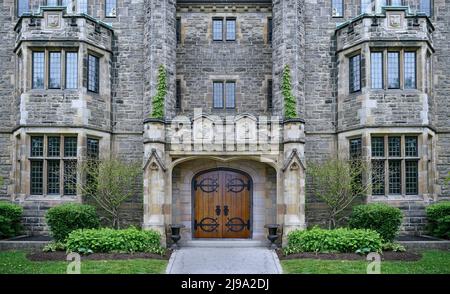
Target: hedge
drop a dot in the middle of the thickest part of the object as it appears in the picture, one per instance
(384, 219)
(338, 240)
(110, 240)
(10, 216)
(68, 217)
(438, 216)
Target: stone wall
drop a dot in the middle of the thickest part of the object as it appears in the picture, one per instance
(247, 61)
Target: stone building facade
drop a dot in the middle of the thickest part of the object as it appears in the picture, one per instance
(370, 79)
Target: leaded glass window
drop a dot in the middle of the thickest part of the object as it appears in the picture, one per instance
(218, 95)
(355, 73)
(70, 146)
(393, 70)
(53, 177)
(70, 177)
(178, 94)
(378, 177)
(337, 8)
(53, 146)
(178, 30)
(376, 69)
(217, 29)
(411, 147)
(54, 79)
(410, 70)
(395, 177)
(230, 95)
(231, 29)
(36, 177)
(394, 146)
(366, 6)
(110, 8)
(377, 146)
(23, 6)
(37, 146)
(52, 3)
(71, 70)
(93, 73)
(426, 6)
(269, 94)
(92, 148)
(411, 174)
(269, 30)
(83, 6)
(355, 148)
(38, 70)
(224, 94)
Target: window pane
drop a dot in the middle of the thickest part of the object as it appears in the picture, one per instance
(269, 30)
(378, 177)
(376, 69)
(410, 70)
(38, 70)
(110, 8)
(396, 2)
(379, 4)
(178, 30)
(411, 146)
(70, 146)
(93, 73)
(53, 177)
(230, 102)
(52, 2)
(355, 148)
(393, 70)
(411, 175)
(70, 177)
(269, 94)
(378, 146)
(83, 6)
(366, 6)
(92, 148)
(37, 147)
(426, 7)
(338, 6)
(53, 146)
(55, 70)
(395, 179)
(218, 94)
(178, 95)
(23, 6)
(394, 146)
(231, 29)
(36, 177)
(355, 73)
(217, 29)
(71, 70)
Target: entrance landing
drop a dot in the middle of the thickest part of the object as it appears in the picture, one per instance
(224, 260)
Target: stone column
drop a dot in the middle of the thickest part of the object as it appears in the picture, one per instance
(154, 176)
(288, 49)
(160, 49)
(293, 176)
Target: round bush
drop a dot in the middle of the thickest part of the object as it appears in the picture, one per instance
(337, 240)
(111, 240)
(380, 217)
(438, 216)
(68, 217)
(10, 216)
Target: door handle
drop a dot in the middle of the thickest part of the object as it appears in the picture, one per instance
(225, 210)
(218, 210)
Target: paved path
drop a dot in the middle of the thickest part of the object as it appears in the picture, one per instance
(221, 260)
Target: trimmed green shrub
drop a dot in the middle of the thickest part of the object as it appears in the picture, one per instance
(380, 217)
(110, 240)
(438, 216)
(337, 240)
(68, 217)
(10, 215)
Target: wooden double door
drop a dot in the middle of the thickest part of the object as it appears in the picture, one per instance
(222, 204)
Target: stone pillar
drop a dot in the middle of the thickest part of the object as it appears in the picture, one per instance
(154, 176)
(160, 49)
(288, 49)
(293, 176)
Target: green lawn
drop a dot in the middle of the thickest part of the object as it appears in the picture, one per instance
(15, 262)
(432, 262)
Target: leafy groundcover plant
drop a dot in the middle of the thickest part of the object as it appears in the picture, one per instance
(108, 240)
(337, 240)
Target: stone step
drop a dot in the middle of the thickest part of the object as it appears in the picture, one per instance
(229, 243)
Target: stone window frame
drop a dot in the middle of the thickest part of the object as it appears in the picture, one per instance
(401, 70)
(333, 4)
(403, 159)
(111, 15)
(224, 83)
(351, 86)
(63, 53)
(224, 20)
(46, 158)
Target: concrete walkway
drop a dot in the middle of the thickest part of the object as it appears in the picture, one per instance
(223, 260)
